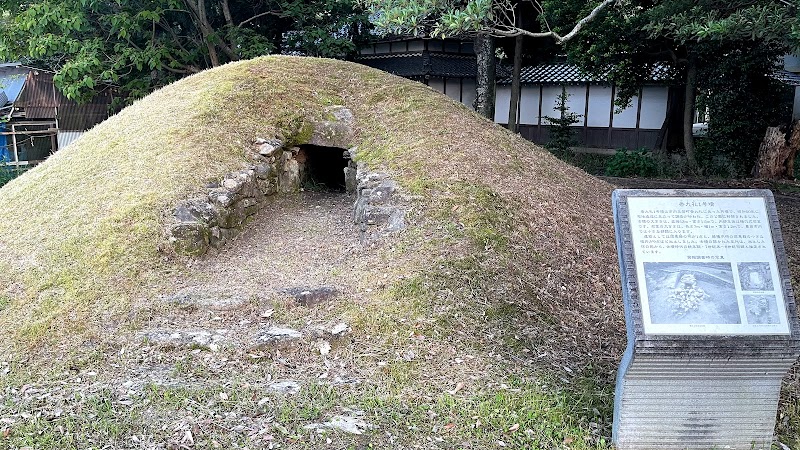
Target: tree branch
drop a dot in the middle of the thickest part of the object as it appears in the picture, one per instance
(512, 30)
(266, 13)
(200, 18)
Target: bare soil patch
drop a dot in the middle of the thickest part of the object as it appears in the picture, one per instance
(306, 239)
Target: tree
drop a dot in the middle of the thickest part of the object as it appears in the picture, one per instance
(692, 37)
(144, 44)
(561, 132)
(483, 18)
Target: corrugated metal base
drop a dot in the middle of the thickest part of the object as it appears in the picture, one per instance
(66, 137)
(698, 404)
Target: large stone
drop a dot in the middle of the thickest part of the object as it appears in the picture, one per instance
(268, 147)
(289, 179)
(205, 339)
(262, 171)
(240, 184)
(268, 187)
(285, 387)
(308, 296)
(378, 215)
(347, 424)
(197, 209)
(350, 182)
(335, 129)
(215, 237)
(190, 238)
(235, 214)
(278, 337)
(226, 234)
(396, 222)
(220, 197)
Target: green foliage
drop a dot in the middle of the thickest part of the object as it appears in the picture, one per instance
(732, 45)
(592, 163)
(742, 101)
(431, 17)
(141, 45)
(8, 173)
(632, 163)
(561, 131)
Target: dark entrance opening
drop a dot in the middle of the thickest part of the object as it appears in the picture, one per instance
(322, 168)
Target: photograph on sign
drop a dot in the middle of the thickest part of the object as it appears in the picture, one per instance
(761, 309)
(755, 276)
(706, 265)
(696, 293)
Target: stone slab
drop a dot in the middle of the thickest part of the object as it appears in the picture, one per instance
(710, 316)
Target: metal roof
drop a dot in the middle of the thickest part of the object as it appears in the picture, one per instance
(416, 64)
(565, 73)
(12, 79)
(41, 100)
(787, 77)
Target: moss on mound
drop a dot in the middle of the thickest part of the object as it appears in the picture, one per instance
(80, 234)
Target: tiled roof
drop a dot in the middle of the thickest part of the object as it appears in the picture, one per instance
(565, 73)
(418, 64)
(462, 66)
(402, 64)
(790, 78)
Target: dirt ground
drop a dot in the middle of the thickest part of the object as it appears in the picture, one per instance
(227, 343)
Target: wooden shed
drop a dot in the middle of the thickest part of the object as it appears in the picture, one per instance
(38, 118)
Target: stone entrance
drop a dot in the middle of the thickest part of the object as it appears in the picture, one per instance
(323, 168)
(320, 160)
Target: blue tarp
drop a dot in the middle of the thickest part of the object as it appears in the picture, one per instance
(6, 154)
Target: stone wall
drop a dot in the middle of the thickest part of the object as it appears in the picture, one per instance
(209, 220)
(377, 209)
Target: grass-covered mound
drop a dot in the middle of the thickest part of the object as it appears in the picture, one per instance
(509, 255)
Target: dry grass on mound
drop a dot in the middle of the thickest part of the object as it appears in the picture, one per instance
(92, 215)
(508, 258)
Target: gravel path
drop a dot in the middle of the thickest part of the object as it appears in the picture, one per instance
(301, 250)
(310, 241)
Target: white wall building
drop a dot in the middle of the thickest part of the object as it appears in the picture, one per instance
(601, 124)
(791, 76)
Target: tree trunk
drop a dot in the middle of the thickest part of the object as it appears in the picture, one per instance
(515, 86)
(688, 113)
(776, 154)
(212, 42)
(226, 11)
(484, 82)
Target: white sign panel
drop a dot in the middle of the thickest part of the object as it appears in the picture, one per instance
(706, 266)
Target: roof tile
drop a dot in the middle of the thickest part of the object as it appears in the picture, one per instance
(565, 73)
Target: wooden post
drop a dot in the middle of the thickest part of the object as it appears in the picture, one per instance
(638, 115)
(611, 114)
(586, 119)
(14, 143)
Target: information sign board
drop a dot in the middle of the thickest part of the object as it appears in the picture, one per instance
(709, 311)
(706, 265)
